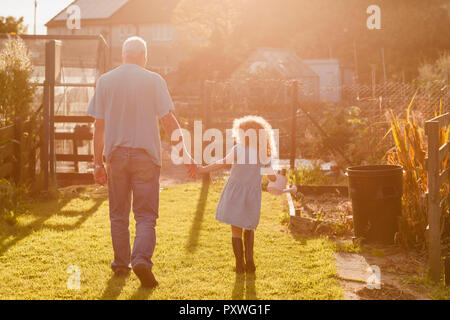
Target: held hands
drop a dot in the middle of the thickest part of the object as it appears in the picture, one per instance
(100, 176)
(194, 169)
(191, 167)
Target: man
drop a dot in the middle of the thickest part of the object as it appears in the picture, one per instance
(126, 106)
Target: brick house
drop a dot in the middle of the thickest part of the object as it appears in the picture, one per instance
(117, 20)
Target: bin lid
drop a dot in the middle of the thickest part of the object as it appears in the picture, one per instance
(375, 170)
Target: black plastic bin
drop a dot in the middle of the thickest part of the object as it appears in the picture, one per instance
(376, 194)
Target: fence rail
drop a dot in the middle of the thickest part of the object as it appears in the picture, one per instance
(436, 178)
(80, 133)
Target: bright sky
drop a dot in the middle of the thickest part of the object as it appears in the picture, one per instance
(46, 10)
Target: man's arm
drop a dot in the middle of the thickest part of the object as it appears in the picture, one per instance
(170, 124)
(99, 145)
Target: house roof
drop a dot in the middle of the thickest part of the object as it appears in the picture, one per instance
(329, 62)
(120, 11)
(93, 9)
(279, 63)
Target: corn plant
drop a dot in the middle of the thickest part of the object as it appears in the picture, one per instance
(410, 151)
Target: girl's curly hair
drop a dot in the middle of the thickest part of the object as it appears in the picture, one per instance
(241, 125)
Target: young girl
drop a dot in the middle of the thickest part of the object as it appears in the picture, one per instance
(240, 201)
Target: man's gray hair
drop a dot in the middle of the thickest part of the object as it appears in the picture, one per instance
(134, 46)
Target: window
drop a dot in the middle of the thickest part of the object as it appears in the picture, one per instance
(121, 33)
(162, 32)
(126, 31)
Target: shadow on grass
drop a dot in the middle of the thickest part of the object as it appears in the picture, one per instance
(244, 287)
(114, 288)
(198, 219)
(250, 287)
(302, 238)
(142, 294)
(239, 287)
(50, 209)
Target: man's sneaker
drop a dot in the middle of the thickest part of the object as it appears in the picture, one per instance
(121, 272)
(145, 275)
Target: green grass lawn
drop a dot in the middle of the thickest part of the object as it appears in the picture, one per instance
(193, 257)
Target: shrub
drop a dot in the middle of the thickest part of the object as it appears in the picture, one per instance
(16, 88)
(345, 128)
(11, 196)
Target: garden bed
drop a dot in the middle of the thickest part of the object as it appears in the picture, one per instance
(322, 213)
(403, 272)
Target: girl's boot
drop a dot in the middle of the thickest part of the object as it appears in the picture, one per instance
(249, 238)
(239, 254)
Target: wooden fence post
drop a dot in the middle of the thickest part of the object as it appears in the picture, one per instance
(434, 210)
(42, 157)
(447, 92)
(45, 136)
(294, 102)
(75, 153)
(32, 161)
(18, 150)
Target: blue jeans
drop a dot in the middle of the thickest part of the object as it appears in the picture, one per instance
(132, 172)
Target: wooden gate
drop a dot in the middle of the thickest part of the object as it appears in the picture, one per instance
(80, 135)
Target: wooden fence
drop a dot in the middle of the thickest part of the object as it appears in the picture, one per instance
(18, 152)
(437, 153)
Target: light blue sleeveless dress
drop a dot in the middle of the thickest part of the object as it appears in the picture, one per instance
(240, 201)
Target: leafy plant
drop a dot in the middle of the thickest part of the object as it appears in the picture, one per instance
(309, 176)
(410, 152)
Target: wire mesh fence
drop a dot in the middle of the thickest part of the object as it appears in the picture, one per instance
(272, 100)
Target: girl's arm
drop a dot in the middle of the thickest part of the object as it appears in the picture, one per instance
(213, 166)
(220, 164)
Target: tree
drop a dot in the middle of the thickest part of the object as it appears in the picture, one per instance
(412, 31)
(206, 27)
(439, 70)
(12, 25)
(202, 19)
